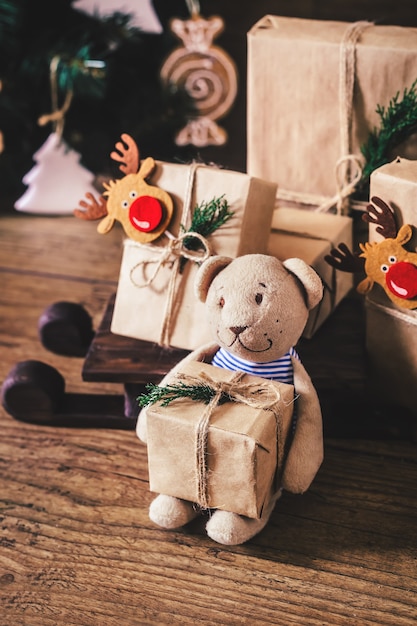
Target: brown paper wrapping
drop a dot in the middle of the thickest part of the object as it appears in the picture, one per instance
(153, 304)
(310, 236)
(396, 184)
(391, 343)
(245, 446)
(391, 332)
(313, 93)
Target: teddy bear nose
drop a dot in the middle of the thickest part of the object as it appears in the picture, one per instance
(237, 329)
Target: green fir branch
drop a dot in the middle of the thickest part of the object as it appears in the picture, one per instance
(168, 393)
(397, 122)
(207, 218)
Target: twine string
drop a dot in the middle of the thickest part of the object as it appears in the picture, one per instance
(201, 445)
(347, 177)
(347, 72)
(257, 395)
(194, 7)
(168, 316)
(57, 115)
(348, 174)
(172, 253)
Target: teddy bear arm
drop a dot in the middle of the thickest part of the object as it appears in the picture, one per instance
(306, 452)
(204, 353)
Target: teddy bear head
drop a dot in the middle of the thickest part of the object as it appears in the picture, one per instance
(257, 306)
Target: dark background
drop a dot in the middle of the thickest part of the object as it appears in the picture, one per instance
(239, 16)
(133, 102)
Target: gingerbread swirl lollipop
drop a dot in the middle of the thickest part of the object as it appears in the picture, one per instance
(206, 73)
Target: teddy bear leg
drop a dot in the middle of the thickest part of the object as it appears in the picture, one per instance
(171, 512)
(232, 529)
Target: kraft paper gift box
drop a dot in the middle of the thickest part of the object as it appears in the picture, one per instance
(155, 299)
(310, 236)
(244, 447)
(396, 184)
(391, 343)
(313, 87)
(391, 331)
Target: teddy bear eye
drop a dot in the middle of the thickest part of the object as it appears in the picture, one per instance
(221, 302)
(384, 268)
(392, 259)
(258, 298)
(133, 194)
(124, 204)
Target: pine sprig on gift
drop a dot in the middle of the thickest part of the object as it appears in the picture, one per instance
(207, 218)
(168, 393)
(397, 122)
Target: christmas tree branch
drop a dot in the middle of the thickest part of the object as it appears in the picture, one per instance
(168, 393)
(207, 217)
(397, 122)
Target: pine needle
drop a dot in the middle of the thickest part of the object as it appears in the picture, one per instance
(398, 121)
(168, 393)
(207, 218)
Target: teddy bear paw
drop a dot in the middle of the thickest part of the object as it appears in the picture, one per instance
(171, 512)
(232, 529)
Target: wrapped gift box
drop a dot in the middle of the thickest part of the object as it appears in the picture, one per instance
(391, 342)
(244, 448)
(304, 113)
(396, 184)
(310, 236)
(391, 331)
(155, 299)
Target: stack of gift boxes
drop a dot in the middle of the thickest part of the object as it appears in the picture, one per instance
(155, 299)
(313, 91)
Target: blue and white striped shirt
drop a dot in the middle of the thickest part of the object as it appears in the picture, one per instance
(281, 369)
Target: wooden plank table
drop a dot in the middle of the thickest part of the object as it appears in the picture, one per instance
(76, 544)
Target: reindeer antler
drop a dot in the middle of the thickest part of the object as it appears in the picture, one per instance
(344, 260)
(94, 209)
(128, 156)
(383, 216)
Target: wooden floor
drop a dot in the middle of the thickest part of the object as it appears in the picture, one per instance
(76, 544)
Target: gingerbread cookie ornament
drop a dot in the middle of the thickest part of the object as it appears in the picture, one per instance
(206, 73)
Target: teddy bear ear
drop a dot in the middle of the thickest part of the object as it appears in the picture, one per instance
(309, 278)
(206, 272)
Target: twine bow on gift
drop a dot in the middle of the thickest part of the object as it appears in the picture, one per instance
(175, 253)
(348, 175)
(257, 395)
(349, 166)
(170, 254)
(346, 179)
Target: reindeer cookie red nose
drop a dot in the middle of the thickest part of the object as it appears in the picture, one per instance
(145, 213)
(402, 280)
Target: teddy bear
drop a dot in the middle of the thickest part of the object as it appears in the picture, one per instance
(257, 308)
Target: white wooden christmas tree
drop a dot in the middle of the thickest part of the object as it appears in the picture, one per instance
(57, 181)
